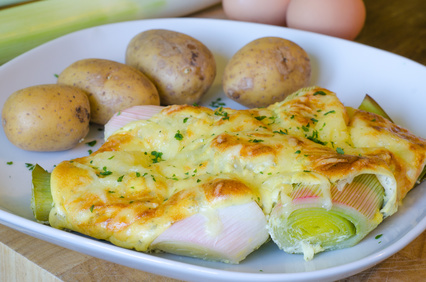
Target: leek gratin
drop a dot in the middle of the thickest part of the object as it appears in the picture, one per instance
(310, 173)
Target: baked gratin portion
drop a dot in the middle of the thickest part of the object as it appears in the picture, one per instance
(216, 184)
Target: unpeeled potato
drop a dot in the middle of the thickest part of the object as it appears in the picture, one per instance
(181, 67)
(111, 86)
(46, 117)
(265, 71)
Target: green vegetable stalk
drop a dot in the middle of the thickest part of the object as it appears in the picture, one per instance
(41, 201)
(24, 27)
(305, 225)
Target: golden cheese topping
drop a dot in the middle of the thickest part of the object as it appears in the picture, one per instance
(153, 173)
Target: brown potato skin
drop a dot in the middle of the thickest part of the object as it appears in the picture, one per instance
(47, 117)
(266, 71)
(111, 86)
(181, 67)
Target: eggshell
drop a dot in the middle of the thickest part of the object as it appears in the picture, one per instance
(268, 12)
(339, 18)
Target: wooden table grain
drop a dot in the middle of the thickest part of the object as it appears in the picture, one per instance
(392, 25)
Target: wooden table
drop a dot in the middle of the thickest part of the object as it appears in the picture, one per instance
(392, 25)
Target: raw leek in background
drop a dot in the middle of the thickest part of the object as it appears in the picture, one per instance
(26, 26)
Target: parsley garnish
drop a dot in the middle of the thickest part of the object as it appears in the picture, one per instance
(314, 137)
(260, 117)
(178, 135)
(378, 236)
(305, 128)
(157, 156)
(282, 132)
(138, 174)
(91, 208)
(29, 166)
(220, 112)
(92, 143)
(185, 120)
(330, 112)
(340, 151)
(9, 163)
(217, 103)
(320, 93)
(120, 178)
(298, 152)
(256, 140)
(105, 172)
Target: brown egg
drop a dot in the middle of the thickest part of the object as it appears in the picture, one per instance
(339, 18)
(260, 11)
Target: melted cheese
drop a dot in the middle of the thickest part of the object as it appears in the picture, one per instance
(187, 160)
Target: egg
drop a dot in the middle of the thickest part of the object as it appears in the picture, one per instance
(339, 18)
(268, 12)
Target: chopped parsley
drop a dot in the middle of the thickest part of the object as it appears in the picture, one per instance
(157, 156)
(378, 236)
(185, 120)
(105, 171)
(92, 143)
(282, 132)
(256, 140)
(9, 163)
(178, 136)
(221, 112)
(91, 208)
(217, 103)
(120, 179)
(260, 117)
(330, 112)
(29, 166)
(314, 138)
(340, 150)
(322, 93)
(138, 174)
(298, 152)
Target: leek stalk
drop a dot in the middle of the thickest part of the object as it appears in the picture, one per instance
(368, 104)
(41, 201)
(24, 27)
(305, 226)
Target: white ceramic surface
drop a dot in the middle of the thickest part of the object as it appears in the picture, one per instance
(347, 68)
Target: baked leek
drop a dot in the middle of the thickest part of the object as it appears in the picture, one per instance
(41, 201)
(300, 222)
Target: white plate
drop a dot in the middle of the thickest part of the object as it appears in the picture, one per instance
(347, 68)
